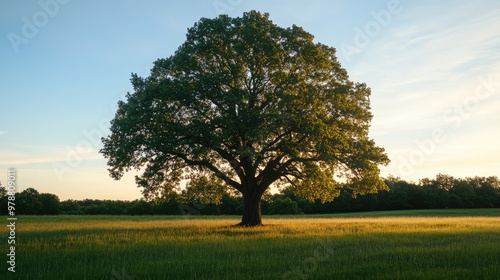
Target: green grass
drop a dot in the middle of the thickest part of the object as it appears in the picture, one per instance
(488, 212)
(432, 244)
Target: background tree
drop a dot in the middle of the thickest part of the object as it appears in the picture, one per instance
(49, 204)
(203, 190)
(140, 207)
(3, 190)
(70, 207)
(3, 200)
(284, 206)
(255, 105)
(28, 202)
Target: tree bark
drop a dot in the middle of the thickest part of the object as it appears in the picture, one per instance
(252, 215)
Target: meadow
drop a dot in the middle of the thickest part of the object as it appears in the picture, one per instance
(421, 244)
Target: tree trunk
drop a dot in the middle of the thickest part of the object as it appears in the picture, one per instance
(252, 215)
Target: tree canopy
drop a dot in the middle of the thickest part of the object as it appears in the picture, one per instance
(250, 104)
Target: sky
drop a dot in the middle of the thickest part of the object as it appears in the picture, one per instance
(433, 68)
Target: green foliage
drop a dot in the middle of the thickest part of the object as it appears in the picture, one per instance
(49, 204)
(3, 190)
(203, 190)
(253, 104)
(140, 207)
(28, 202)
(31, 202)
(283, 206)
(70, 207)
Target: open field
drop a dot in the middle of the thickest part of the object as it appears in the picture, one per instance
(432, 244)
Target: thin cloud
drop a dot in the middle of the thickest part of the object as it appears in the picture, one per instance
(431, 69)
(27, 154)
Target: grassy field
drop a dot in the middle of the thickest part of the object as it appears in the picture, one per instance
(431, 244)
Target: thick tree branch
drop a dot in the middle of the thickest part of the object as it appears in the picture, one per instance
(211, 167)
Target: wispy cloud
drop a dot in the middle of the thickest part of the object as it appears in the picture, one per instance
(433, 66)
(25, 154)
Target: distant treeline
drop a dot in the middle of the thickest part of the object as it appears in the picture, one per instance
(442, 192)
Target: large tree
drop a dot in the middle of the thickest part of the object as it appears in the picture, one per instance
(253, 105)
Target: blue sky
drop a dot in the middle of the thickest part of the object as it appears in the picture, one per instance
(433, 67)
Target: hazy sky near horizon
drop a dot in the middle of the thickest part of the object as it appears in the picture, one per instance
(433, 67)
